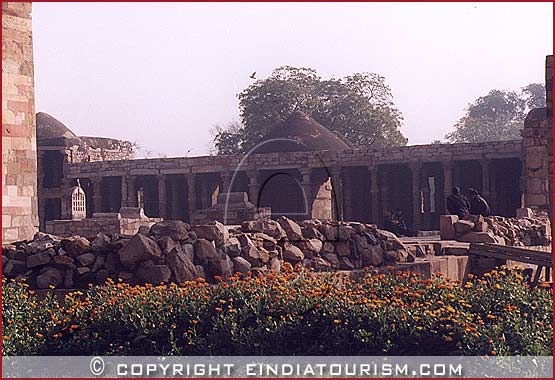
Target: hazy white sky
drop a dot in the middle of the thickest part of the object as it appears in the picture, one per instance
(163, 75)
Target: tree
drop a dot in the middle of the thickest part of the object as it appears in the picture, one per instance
(499, 115)
(359, 108)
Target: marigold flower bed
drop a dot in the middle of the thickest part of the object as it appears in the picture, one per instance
(290, 313)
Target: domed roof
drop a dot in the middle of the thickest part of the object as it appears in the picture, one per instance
(49, 127)
(299, 133)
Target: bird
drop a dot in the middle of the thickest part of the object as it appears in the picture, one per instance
(253, 75)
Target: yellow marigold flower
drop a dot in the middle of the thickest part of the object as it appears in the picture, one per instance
(419, 328)
(447, 338)
(218, 309)
(51, 286)
(336, 321)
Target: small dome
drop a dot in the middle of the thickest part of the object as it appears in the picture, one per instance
(300, 133)
(49, 127)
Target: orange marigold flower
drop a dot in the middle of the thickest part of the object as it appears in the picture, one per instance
(218, 309)
(39, 335)
(336, 321)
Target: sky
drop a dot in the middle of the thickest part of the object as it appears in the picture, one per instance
(163, 75)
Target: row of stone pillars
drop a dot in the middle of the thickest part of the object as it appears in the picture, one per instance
(341, 185)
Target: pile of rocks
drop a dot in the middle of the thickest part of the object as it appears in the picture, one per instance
(533, 230)
(174, 251)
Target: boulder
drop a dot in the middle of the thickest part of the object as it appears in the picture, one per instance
(68, 279)
(139, 248)
(13, 267)
(372, 256)
(76, 245)
(153, 274)
(175, 229)
(463, 226)
(220, 267)
(292, 229)
(86, 259)
(233, 247)
(214, 231)
(345, 232)
(447, 226)
(252, 226)
(82, 270)
(255, 256)
(342, 249)
(241, 265)
(98, 263)
(205, 250)
(292, 253)
(189, 250)
(49, 277)
(329, 231)
(101, 243)
(311, 232)
(38, 259)
(481, 227)
(346, 264)
(393, 242)
(332, 259)
(328, 248)
(311, 247)
(181, 265)
(102, 276)
(478, 237)
(167, 244)
(275, 264)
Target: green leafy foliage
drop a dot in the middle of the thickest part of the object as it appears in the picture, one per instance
(290, 313)
(497, 116)
(359, 108)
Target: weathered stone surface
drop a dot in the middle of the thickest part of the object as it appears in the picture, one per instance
(181, 265)
(392, 241)
(478, 237)
(13, 267)
(329, 231)
(241, 265)
(372, 255)
(139, 248)
(167, 244)
(175, 229)
(189, 250)
(76, 246)
(342, 248)
(463, 226)
(275, 264)
(346, 264)
(332, 259)
(38, 259)
(292, 253)
(447, 226)
(98, 263)
(233, 247)
(252, 226)
(481, 227)
(83, 270)
(292, 229)
(49, 277)
(86, 259)
(102, 276)
(311, 247)
(213, 232)
(153, 274)
(205, 250)
(101, 243)
(220, 267)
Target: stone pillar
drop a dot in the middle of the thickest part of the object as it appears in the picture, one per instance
(174, 205)
(162, 204)
(124, 191)
(253, 187)
(97, 193)
(347, 190)
(425, 189)
(20, 219)
(131, 197)
(485, 163)
(191, 194)
(384, 193)
(307, 189)
(447, 181)
(226, 179)
(337, 192)
(374, 194)
(416, 173)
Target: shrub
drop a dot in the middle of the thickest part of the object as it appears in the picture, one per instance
(290, 313)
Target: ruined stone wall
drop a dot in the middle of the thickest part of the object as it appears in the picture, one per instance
(19, 151)
(91, 226)
(537, 139)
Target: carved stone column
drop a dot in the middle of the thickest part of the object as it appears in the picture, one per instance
(374, 194)
(307, 189)
(485, 163)
(253, 187)
(191, 194)
(447, 180)
(337, 192)
(132, 200)
(416, 174)
(124, 191)
(226, 178)
(162, 204)
(97, 193)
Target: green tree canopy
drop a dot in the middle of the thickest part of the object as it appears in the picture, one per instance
(497, 116)
(359, 108)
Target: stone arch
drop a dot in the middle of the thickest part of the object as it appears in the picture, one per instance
(283, 192)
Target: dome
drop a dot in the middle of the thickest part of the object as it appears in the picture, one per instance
(49, 127)
(300, 133)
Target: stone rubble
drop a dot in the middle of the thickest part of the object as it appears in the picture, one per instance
(531, 230)
(174, 251)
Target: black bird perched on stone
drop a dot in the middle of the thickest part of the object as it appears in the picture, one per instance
(253, 75)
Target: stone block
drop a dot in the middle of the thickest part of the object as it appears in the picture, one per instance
(463, 226)
(447, 226)
(481, 227)
(478, 237)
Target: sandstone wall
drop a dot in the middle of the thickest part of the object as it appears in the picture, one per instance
(19, 152)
